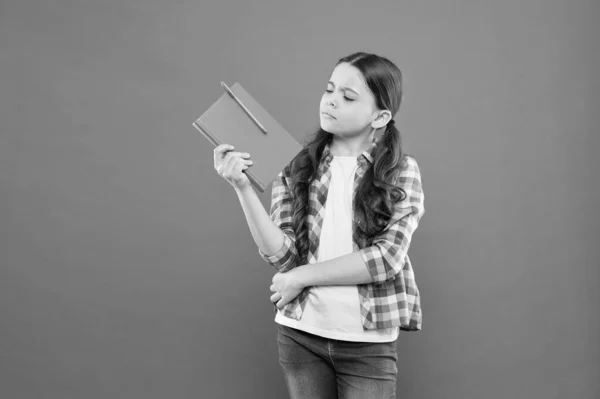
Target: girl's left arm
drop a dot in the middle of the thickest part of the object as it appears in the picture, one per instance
(344, 270)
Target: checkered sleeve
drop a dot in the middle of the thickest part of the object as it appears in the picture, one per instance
(281, 214)
(386, 256)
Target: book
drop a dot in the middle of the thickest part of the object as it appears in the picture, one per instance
(236, 118)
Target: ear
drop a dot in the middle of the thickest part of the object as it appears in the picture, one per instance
(381, 119)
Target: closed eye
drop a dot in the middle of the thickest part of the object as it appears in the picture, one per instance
(346, 98)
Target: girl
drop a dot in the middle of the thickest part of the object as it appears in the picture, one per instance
(342, 215)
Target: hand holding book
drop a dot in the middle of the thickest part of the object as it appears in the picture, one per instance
(231, 165)
(237, 120)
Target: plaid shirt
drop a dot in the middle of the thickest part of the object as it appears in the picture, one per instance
(392, 299)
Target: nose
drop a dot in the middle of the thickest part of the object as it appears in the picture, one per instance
(331, 103)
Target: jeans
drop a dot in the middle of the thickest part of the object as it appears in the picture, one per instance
(316, 367)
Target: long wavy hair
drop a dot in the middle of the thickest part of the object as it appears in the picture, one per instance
(377, 192)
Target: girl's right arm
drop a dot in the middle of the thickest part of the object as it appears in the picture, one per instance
(272, 234)
(268, 237)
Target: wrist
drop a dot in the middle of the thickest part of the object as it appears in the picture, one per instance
(243, 190)
(302, 275)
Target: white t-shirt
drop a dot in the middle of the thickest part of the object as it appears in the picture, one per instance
(333, 311)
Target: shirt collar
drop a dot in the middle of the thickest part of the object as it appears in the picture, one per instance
(366, 155)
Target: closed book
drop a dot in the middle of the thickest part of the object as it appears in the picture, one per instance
(226, 122)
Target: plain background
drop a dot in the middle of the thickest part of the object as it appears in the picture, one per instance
(127, 268)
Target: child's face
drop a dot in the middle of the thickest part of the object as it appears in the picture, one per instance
(347, 106)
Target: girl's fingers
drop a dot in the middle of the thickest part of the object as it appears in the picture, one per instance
(220, 151)
(224, 156)
(236, 163)
(231, 154)
(238, 168)
(229, 163)
(275, 297)
(233, 169)
(222, 148)
(237, 154)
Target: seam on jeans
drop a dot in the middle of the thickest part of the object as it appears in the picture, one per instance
(330, 350)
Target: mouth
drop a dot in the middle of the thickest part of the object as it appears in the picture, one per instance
(328, 115)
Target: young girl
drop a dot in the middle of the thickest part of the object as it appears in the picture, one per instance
(342, 215)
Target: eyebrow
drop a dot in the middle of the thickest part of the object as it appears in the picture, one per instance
(344, 88)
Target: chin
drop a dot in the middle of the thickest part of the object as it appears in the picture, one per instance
(327, 126)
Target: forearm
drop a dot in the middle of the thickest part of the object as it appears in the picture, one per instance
(267, 236)
(344, 270)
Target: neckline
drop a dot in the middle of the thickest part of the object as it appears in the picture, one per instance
(344, 157)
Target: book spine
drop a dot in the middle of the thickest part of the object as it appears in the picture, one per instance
(254, 180)
(204, 130)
